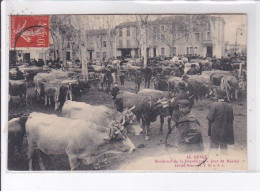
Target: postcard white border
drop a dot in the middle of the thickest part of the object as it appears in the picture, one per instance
(84, 181)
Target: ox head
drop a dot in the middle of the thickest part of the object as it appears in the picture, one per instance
(118, 141)
(130, 123)
(164, 105)
(159, 107)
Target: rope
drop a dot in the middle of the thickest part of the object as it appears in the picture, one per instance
(177, 124)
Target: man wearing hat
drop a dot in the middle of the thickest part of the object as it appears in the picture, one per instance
(220, 120)
(188, 129)
(183, 94)
(185, 78)
(177, 71)
(147, 72)
(19, 75)
(192, 70)
(138, 80)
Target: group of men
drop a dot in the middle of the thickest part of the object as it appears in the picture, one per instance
(220, 123)
(145, 73)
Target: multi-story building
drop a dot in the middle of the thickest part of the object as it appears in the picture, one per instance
(100, 45)
(165, 39)
(127, 40)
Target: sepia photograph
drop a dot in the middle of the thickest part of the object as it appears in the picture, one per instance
(127, 92)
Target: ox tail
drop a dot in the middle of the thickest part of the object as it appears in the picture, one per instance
(66, 111)
(70, 91)
(57, 97)
(224, 84)
(22, 121)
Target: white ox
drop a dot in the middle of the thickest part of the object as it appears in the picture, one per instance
(102, 115)
(80, 140)
(230, 85)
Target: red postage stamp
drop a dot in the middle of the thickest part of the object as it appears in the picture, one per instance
(30, 31)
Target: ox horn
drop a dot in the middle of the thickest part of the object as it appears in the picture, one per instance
(132, 108)
(123, 122)
(159, 101)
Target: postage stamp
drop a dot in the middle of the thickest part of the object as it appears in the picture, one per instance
(29, 31)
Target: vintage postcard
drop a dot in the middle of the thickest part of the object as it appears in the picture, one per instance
(114, 92)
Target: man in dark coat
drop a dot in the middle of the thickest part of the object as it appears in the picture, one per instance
(183, 94)
(138, 80)
(192, 70)
(188, 129)
(108, 79)
(19, 75)
(147, 72)
(121, 73)
(114, 90)
(220, 119)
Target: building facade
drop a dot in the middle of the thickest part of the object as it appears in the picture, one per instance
(163, 39)
(165, 36)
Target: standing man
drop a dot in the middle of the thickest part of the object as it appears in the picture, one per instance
(108, 79)
(192, 70)
(220, 120)
(138, 80)
(121, 74)
(19, 75)
(147, 76)
(188, 129)
(183, 94)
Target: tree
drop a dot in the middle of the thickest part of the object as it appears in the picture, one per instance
(62, 33)
(196, 23)
(110, 24)
(82, 24)
(143, 22)
(173, 30)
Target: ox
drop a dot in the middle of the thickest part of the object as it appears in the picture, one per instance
(16, 132)
(230, 85)
(18, 88)
(52, 90)
(82, 141)
(101, 115)
(160, 95)
(146, 108)
(197, 89)
(173, 84)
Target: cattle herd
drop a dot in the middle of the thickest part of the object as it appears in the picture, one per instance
(85, 132)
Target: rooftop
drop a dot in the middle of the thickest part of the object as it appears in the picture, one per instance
(126, 24)
(99, 32)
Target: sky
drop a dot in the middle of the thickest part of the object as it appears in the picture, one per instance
(232, 23)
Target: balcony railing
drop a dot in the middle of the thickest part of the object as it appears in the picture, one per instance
(207, 42)
(126, 46)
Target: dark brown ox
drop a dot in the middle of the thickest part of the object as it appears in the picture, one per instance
(16, 132)
(166, 97)
(101, 115)
(173, 84)
(18, 88)
(197, 90)
(144, 107)
(82, 141)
